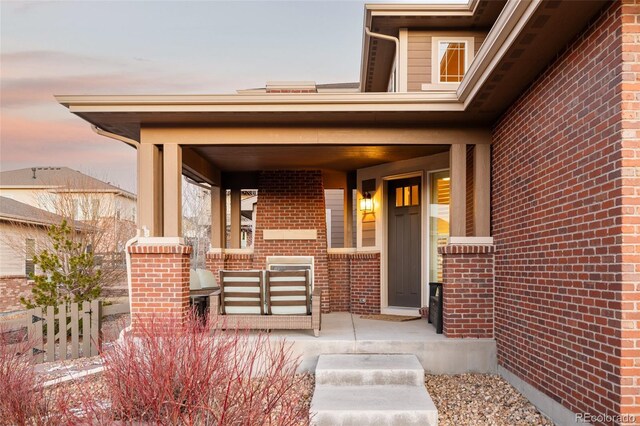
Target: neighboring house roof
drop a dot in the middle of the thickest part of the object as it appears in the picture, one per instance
(15, 211)
(57, 177)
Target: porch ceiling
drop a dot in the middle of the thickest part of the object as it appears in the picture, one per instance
(239, 158)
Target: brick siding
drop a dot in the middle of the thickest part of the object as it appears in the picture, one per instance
(630, 203)
(565, 223)
(12, 288)
(467, 291)
(159, 283)
(293, 199)
(229, 261)
(339, 281)
(365, 283)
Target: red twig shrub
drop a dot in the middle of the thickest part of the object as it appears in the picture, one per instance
(23, 399)
(198, 374)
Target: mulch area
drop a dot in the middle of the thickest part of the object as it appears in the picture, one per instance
(480, 399)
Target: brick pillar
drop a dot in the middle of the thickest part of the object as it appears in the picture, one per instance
(365, 283)
(339, 281)
(290, 200)
(159, 283)
(467, 290)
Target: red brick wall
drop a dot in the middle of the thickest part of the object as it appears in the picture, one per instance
(365, 283)
(159, 283)
(630, 203)
(293, 199)
(12, 288)
(468, 291)
(565, 224)
(229, 261)
(339, 281)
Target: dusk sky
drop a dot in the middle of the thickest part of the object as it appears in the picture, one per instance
(51, 48)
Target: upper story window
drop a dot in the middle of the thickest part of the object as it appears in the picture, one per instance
(451, 58)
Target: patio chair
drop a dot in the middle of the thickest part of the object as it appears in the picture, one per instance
(241, 292)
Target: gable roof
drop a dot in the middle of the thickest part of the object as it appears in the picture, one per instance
(57, 177)
(15, 211)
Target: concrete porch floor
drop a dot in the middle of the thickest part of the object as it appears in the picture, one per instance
(347, 333)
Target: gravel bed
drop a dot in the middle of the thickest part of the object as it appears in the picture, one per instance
(480, 399)
(92, 388)
(58, 369)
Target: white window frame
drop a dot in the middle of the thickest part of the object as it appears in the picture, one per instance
(469, 43)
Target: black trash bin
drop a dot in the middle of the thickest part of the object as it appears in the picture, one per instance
(435, 306)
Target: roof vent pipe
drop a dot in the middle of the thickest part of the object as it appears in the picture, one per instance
(396, 57)
(33, 169)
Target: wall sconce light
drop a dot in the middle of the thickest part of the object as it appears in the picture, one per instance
(366, 203)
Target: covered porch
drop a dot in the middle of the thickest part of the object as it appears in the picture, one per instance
(291, 170)
(383, 153)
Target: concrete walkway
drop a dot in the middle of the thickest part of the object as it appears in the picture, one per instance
(346, 333)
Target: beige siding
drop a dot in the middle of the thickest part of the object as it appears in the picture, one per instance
(369, 230)
(12, 246)
(419, 55)
(334, 201)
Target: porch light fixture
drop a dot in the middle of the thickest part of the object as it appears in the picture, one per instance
(366, 203)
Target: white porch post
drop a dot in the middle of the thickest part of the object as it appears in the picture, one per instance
(458, 209)
(172, 190)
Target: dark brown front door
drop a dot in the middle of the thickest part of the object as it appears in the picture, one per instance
(404, 235)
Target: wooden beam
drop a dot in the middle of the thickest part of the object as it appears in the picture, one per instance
(198, 168)
(149, 203)
(482, 190)
(458, 207)
(235, 218)
(316, 135)
(172, 190)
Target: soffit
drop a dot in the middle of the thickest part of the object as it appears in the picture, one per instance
(552, 27)
(128, 124)
(239, 158)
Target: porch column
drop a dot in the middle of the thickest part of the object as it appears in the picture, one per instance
(149, 205)
(348, 212)
(235, 218)
(457, 212)
(218, 217)
(482, 189)
(172, 190)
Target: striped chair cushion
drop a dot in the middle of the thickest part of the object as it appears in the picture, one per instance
(288, 292)
(241, 292)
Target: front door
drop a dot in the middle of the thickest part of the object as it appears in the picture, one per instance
(404, 238)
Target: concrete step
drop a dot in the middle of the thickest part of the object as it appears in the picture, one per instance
(369, 369)
(372, 405)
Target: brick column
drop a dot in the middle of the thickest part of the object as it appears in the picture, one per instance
(339, 281)
(159, 283)
(365, 283)
(467, 290)
(215, 263)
